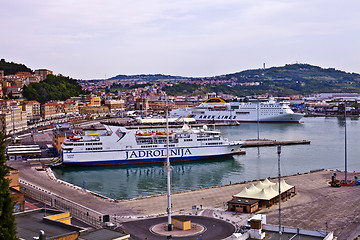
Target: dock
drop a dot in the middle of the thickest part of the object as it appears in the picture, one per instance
(268, 142)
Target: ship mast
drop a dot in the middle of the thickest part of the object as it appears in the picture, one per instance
(168, 168)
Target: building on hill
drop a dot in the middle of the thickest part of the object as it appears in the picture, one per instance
(55, 109)
(48, 110)
(87, 100)
(142, 104)
(32, 109)
(70, 107)
(42, 73)
(98, 110)
(13, 90)
(115, 104)
(31, 79)
(93, 100)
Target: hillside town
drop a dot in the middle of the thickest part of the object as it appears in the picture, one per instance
(18, 114)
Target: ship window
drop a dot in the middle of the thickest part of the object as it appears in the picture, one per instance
(187, 140)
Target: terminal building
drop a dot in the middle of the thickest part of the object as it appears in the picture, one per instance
(23, 152)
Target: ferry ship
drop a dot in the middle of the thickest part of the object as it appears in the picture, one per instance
(218, 110)
(119, 145)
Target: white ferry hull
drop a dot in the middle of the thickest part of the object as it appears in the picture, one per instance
(141, 156)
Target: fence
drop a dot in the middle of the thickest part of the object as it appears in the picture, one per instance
(83, 213)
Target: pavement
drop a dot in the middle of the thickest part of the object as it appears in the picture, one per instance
(316, 206)
(214, 229)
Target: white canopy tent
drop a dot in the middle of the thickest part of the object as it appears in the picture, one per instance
(265, 190)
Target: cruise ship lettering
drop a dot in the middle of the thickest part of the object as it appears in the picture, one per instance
(179, 152)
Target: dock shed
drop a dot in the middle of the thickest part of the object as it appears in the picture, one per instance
(243, 205)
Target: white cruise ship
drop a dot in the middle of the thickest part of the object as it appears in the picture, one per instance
(122, 146)
(218, 110)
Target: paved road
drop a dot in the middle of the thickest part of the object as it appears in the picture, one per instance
(215, 229)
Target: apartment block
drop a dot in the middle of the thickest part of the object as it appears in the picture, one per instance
(115, 104)
(48, 110)
(42, 73)
(32, 109)
(12, 119)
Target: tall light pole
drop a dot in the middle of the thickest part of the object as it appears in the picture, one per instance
(345, 143)
(279, 174)
(168, 168)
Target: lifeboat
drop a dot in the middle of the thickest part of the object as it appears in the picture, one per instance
(220, 107)
(163, 133)
(75, 138)
(144, 133)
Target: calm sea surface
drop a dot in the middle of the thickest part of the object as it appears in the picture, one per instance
(325, 151)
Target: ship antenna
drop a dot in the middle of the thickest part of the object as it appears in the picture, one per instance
(168, 169)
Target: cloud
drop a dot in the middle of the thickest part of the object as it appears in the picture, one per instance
(88, 39)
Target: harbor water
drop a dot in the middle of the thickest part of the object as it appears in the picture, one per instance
(326, 151)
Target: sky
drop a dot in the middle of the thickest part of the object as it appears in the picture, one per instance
(93, 39)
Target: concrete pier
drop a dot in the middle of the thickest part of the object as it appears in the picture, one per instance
(268, 142)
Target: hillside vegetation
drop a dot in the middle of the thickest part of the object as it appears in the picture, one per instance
(278, 81)
(53, 88)
(11, 68)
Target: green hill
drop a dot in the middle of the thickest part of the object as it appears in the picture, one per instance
(12, 68)
(278, 81)
(53, 88)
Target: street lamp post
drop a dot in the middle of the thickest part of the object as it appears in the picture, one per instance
(279, 174)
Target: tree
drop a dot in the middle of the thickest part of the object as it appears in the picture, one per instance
(7, 219)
